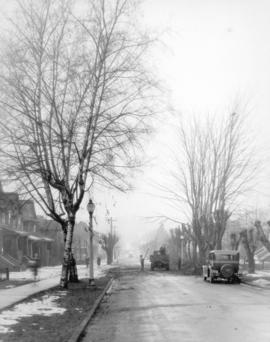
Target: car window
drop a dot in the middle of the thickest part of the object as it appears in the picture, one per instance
(224, 257)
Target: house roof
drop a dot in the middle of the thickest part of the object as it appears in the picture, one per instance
(33, 237)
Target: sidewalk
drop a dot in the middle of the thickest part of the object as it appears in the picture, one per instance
(16, 294)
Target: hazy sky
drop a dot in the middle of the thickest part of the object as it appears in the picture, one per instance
(213, 54)
(217, 53)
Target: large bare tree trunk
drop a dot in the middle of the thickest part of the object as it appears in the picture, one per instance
(234, 241)
(262, 236)
(67, 254)
(248, 244)
(108, 243)
(109, 256)
(212, 168)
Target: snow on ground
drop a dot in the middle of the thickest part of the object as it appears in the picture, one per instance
(258, 274)
(261, 282)
(43, 273)
(45, 306)
(55, 271)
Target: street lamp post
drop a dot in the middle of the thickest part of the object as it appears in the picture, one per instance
(91, 208)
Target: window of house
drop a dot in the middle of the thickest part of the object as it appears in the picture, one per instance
(20, 223)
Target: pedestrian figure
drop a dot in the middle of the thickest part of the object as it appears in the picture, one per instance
(142, 262)
(73, 274)
(34, 265)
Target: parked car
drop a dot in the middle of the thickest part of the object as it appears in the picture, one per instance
(222, 264)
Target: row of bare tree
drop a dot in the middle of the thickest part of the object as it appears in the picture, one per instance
(183, 245)
(250, 238)
(212, 168)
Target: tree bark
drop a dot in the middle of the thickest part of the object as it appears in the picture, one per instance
(247, 244)
(67, 254)
(262, 236)
(219, 244)
(251, 263)
(109, 256)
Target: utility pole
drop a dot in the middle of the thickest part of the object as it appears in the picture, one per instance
(111, 237)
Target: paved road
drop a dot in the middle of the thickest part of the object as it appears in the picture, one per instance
(160, 306)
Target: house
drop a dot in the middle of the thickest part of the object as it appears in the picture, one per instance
(22, 234)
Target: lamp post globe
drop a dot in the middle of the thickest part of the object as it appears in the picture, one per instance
(91, 207)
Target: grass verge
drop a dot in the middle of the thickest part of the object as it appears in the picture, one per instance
(75, 303)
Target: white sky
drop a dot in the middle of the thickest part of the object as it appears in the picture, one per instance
(217, 52)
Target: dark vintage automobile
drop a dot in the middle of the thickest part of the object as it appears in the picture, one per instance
(222, 264)
(160, 259)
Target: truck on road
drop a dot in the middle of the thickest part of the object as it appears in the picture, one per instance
(160, 259)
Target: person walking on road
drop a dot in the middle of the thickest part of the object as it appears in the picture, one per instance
(142, 262)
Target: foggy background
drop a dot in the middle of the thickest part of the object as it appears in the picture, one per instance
(212, 55)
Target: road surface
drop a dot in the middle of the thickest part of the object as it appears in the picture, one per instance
(162, 306)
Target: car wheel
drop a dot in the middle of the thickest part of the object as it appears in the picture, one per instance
(227, 271)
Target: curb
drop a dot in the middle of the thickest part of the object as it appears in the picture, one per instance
(80, 329)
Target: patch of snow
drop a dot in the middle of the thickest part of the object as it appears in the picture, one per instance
(55, 271)
(99, 271)
(252, 275)
(43, 273)
(258, 274)
(46, 306)
(262, 282)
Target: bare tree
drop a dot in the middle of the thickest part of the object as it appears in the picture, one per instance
(261, 234)
(108, 243)
(75, 99)
(249, 242)
(235, 240)
(213, 167)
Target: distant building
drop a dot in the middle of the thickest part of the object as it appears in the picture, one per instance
(23, 235)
